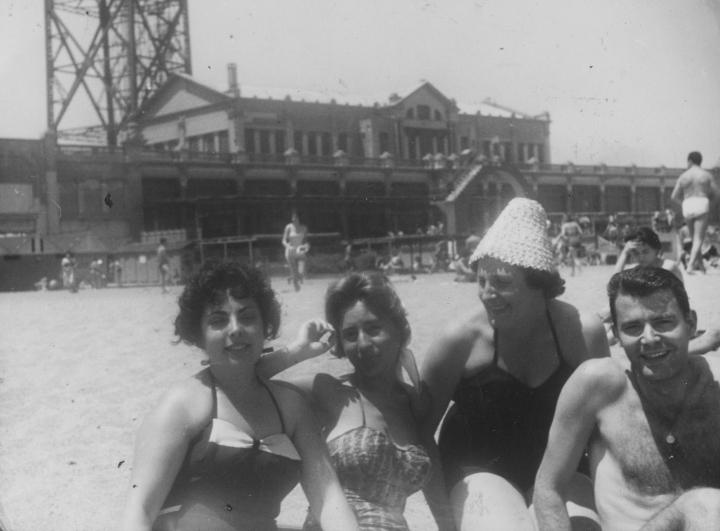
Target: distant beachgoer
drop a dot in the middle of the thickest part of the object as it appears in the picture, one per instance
(223, 448)
(643, 247)
(163, 264)
(695, 191)
(503, 367)
(294, 240)
(68, 265)
(685, 239)
(572, 232)
(395, 264)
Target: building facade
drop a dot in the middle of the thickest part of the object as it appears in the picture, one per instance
(216, 164)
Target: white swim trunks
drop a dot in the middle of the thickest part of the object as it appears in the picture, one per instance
(694, 207)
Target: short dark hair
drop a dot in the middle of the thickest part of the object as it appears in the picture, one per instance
(549, 282)
(645, 235)
(209, 286)
(644, 281)
(695, 157)
(376, 291)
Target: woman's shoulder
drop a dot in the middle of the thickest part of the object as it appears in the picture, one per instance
(188, 403)
(581, 334)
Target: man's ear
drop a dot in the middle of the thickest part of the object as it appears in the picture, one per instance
(692, 322)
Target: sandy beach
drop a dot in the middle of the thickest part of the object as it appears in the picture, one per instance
(78, 372)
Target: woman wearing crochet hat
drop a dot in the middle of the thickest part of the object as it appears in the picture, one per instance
(504, 366)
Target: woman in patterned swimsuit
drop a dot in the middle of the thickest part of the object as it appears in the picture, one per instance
(503, 368)
(222, 449)
(372, 415)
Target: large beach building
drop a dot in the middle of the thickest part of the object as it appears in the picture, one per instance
(202, 163)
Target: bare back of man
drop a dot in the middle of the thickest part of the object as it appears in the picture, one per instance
(695, 190)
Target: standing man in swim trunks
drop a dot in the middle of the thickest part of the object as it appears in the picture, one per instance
(651, 419)
(694, 190)
(296, 248)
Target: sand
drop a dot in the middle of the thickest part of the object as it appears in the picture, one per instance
(78, 372)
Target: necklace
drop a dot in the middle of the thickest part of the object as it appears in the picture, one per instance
(668, 423)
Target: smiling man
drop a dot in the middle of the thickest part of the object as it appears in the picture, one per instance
(652, 421)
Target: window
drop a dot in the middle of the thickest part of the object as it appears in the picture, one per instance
(410, 114)
(423, 112)
(326, 144)
(280, 141)
(250, 140)
(69, 199)
(297, 142)
(464, 143)
(223, 142)
(438, 116)
(384, 142)
(312, 144)
(487, 148)
(342, 142)
(209, 143)
(264, 141)
(193, 143)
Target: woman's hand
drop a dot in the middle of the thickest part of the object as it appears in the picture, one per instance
(314, 338)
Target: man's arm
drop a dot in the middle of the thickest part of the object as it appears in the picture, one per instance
(586, 392)
(677, 194)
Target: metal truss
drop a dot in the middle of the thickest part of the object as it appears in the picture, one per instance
(109, 56)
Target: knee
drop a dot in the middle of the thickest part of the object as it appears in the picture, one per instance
(490, 501)
(701, 505)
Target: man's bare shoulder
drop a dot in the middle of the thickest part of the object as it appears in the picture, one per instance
(602, 379)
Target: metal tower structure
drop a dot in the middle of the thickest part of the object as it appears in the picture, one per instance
(105, 58)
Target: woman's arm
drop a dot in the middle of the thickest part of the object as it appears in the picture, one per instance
(435, 490)
(160, 447)
(320, 483)
(314, 338)
(624, 255)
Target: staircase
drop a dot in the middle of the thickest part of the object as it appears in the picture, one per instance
(462, 180)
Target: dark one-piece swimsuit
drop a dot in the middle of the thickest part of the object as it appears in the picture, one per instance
(231, 480)
(498, 424)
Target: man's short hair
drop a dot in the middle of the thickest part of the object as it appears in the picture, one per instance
(645, 235)
(695, 157)
(643, 282)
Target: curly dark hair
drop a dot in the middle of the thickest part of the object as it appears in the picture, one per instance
(376, 291)
(549, 282)
(210, 285)
(644, 281)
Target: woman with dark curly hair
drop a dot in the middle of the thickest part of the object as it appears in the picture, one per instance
(504, 367)
(222, 449)
(372, 415)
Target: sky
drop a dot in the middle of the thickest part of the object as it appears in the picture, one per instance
(625, 81)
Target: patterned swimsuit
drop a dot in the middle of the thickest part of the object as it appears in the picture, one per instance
(231, 481)
(376, 475)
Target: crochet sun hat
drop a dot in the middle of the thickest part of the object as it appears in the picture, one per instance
(519, 237)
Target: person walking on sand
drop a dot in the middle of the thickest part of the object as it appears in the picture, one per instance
(163, 264)
(651, 419)
(296, 248)
(694, 191)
